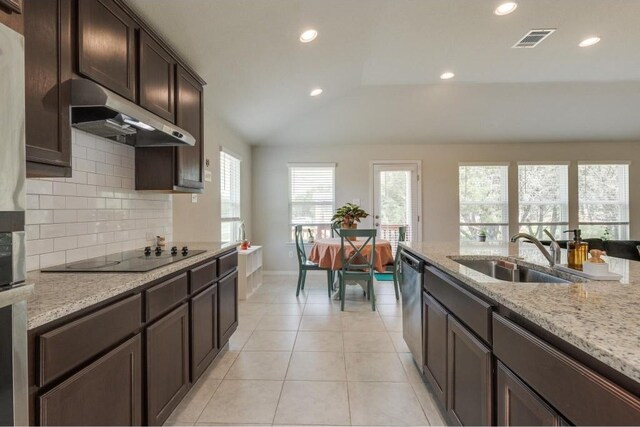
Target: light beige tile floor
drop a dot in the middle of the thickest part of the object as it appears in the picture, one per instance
(302, 361)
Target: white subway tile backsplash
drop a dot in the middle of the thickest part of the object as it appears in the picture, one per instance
(52, 202)
(76, 203)
(40, 246)
(96, 211)
(51, 259)
(48, 231)
(39, 216)
(62, 216)
(64, 243)
(86, 190)
(32, 232)
(64, 189)
(37, 186)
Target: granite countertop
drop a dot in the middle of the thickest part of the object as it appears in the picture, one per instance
(56, 295)
(600, 318)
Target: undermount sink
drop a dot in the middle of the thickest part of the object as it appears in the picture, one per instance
(509, 272)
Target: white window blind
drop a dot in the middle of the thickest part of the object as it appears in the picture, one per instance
(484, 201)
(312, 197)
(230, 208)
(603, 191)
(543, 199)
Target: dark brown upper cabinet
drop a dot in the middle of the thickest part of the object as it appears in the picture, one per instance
(157, 78)
(189, 117)
(107, 46)
(177, 169)
(10, 14)
(48, 72)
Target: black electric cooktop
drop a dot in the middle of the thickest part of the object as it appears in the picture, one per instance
(139, 260)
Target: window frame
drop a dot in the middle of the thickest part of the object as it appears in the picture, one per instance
(232, 219)
(567, 195)
(504, 225)
(627, 223)
(290, 204)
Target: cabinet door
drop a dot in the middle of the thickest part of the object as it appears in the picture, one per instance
(189, 171)
(106, 46)
(518, 405)
(434, 328)
(227, 307)
(204, 330)
(167, 364)
(469, 379)
(107, 392)
(48, 72)
(157, 78)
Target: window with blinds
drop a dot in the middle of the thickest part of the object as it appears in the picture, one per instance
(230, 208)
(543, 199)
(603, 193)
(484, 201)
(312, 198)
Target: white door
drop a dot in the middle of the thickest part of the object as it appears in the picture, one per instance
(396, 200)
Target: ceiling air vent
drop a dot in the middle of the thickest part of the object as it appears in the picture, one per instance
(533, 38)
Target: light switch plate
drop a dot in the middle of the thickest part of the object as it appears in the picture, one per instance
(356, 201)
(207, 176)
(194, 198)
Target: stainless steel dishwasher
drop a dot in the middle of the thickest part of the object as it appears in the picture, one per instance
(411, 271)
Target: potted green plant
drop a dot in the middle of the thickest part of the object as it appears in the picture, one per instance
(348, 216)
(482, 236)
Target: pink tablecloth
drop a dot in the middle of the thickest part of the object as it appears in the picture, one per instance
(326, 253)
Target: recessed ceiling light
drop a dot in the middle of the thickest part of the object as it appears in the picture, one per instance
(446, 76)
(506, 8)
(308, 36)
(315, 92)
(589, 42)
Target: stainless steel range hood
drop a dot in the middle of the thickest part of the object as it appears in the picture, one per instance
(99, 111)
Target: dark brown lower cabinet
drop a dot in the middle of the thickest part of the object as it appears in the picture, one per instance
(434, 328)
(469, 377)
(227, 307)
(204, 330)
(518, 405)
(107, 392)
(167, 364)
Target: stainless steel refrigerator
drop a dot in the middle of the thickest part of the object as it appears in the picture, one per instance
(13, 326)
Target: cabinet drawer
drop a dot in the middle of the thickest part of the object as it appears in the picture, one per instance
(226, 263)
(471, 310)
(68, 346)
(167, 294)
(202, 276)
(577, 392)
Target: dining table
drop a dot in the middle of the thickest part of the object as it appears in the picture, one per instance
(327, 253)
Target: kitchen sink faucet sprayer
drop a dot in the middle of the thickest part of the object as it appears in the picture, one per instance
(553, 258)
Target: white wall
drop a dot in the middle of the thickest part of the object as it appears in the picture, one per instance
(97, 211)
(200, 222)
(439, 181)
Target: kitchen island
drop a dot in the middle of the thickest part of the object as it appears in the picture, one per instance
(544, 353)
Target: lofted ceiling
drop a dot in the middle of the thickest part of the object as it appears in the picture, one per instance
(379, 63)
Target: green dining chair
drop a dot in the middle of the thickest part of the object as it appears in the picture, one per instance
(356, 266)
(335, 230)
(305, 265)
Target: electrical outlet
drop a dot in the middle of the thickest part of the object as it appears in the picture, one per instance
(356, 201)
(290, 254)
(194, 198)
(207, 176)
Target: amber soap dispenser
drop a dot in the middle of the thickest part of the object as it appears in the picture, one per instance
(577, 250)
